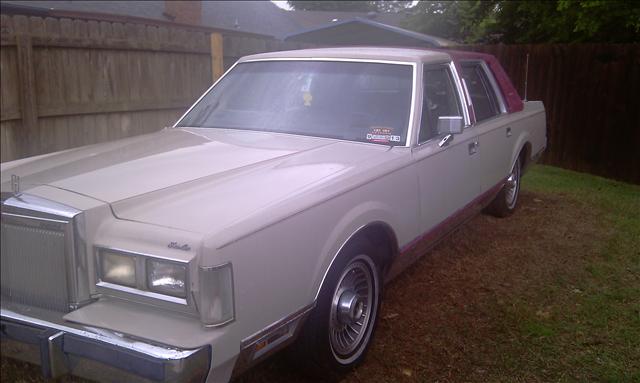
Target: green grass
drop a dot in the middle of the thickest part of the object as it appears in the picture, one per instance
(592, 332)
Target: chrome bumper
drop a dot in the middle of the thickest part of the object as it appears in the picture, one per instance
(97, 354)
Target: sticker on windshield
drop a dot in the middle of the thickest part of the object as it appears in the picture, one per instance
(382, 135)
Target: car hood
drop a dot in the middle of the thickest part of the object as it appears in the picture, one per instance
(189, 178)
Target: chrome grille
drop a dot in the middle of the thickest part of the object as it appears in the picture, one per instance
(33, 267)
(42, 265)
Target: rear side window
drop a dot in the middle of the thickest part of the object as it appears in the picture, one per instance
(483, 96)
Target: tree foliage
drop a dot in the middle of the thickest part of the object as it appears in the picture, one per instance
(352, 6)
(392, 6)
(560, 21)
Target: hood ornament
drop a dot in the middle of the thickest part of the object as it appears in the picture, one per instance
(15, 185)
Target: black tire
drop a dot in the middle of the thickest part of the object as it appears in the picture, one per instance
(506, 201)
(316, 348)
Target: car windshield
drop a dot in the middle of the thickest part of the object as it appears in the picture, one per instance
(355, 101)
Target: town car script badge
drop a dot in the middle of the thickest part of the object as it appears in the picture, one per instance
(176, 245)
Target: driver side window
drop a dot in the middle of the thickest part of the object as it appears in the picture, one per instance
(439, 99)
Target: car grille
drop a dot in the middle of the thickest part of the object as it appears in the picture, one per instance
(37, 256)
(33, 267)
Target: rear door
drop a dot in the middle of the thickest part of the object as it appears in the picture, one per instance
(494, 135)
(446, 172)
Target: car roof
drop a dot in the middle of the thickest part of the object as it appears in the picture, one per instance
(358, 53)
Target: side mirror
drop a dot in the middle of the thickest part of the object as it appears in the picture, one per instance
(450, 124)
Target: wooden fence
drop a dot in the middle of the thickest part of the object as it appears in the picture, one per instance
(592, 96)
(72, 82)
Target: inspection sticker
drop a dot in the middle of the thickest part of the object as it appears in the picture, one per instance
(382, 135)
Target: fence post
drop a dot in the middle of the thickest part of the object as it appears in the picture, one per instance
(27, 136)
(217, 64)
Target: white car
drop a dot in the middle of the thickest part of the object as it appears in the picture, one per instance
(273, 211)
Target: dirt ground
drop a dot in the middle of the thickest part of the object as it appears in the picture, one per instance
(481, 306)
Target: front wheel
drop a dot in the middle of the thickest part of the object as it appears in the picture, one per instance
(338, 332)
(507, 199)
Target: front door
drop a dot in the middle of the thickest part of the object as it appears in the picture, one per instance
(447, 172)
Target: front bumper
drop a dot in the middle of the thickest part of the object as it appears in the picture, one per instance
(97, 354)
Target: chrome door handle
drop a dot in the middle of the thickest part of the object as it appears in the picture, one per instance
(446, 140)
(473, 147)
(509, 131)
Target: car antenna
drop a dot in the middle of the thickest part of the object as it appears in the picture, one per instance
(526, 75)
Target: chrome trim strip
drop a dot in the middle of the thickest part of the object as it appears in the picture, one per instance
(492, 83)
(175, 125)
(388, 228)
(498, 91)
(190, 129)
(462, 91)
(139, 253)
(221, 324)
(247, 356)
(315, 298)
(29, 219)
(57, 365)
(141, 293)
(374, 61)
(467, 96)
(339, 59)
(251, 339)
(41, 205)
(131, 290)
(414, 99)
(106, 336)
(460, 96)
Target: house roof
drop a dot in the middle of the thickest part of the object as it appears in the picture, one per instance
(148, 12)
(256, 17)
(311, 19)
(361, 31)
(144, 9)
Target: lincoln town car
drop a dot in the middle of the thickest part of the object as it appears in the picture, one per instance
(269, 216)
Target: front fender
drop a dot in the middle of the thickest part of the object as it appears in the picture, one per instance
(350, 224)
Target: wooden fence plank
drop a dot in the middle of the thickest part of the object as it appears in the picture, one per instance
(29, 105)
(9, 99)
(217, 56)
(114, 107)
(6, 25)
(111, 44)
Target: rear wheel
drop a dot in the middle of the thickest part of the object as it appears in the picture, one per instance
(507, 199)
(338, 332)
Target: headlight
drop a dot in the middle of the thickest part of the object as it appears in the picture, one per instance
(118, 268)
(216, 295)
(167, 278)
